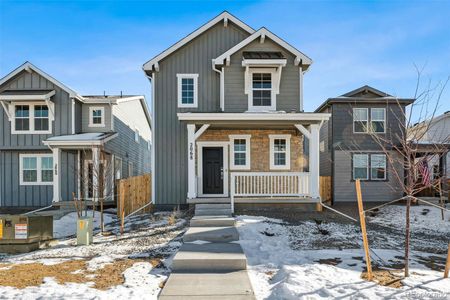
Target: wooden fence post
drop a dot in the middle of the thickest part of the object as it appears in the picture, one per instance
(447, 264)
(362, 219)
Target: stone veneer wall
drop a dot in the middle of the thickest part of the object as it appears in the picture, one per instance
(260, 143)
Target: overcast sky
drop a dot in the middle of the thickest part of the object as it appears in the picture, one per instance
(100, 46)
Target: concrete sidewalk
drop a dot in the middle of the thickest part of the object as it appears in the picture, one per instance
(210, 264)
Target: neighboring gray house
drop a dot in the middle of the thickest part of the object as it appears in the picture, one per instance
(229, 120)
(55, 142)
(348, 151)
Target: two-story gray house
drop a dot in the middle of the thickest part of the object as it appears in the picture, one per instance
(55, 142)
(348, 150)
(228, 123)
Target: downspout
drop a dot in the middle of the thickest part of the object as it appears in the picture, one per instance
(222, 85)
(152, 79)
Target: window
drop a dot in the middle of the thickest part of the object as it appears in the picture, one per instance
(187, 90)
(96, 117)
(378, 166)
(36, 169)
(240, 152)
(280, 152)
(262, 89)
(117, 168)
(378, 119)
(360, 166)
(360, 120)
(130, 169)
(30, 118)
(136, 135)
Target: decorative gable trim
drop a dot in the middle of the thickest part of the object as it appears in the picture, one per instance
(226, 17)
(263, 33)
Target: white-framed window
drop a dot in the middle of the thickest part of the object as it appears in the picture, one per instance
(378, 120)
(187, 90)
(262, 95)
(378, 166)
(240, 151)
(117, 167)
(360, 120)
(361, 166)
(136, 135)
(36, 169)
(96, 116)
(130, 169)
(30, 118)
(280, 151)
(149, 146)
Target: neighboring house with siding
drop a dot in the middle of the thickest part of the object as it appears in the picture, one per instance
(348, 150)
(229, 119)
(53, 141)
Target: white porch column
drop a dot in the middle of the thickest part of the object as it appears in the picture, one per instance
(56, 174)
(314, 153)
(95, 171)
(192, 190)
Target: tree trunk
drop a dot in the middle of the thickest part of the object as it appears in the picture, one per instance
(407, 235)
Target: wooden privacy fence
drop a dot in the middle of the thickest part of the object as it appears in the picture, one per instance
(325, 188)
(133, 193)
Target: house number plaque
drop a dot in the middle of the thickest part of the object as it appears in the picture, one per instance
(191, 151)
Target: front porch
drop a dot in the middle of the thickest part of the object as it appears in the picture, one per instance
(264, 158)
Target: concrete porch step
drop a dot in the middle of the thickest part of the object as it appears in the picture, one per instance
(209, 258)
(213, 206)
(212, 212)
(232, 285)
(211, 234)
(212, 221)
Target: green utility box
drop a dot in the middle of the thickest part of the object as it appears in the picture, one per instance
(85, 229)
(24, 233)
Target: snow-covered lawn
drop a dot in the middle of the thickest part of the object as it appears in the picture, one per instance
(325, 261)
(147, 238)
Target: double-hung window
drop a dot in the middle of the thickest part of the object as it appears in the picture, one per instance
(378, 120)
(96, 116)
(360, 120)
(280, 157)
(36, 169)
(371, 166)
(240, 152)
(187, 90)
(31, 119)
(262, 89)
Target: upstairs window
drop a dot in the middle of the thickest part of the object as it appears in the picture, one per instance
(31, 119)
(187, 90)
(360, 120)
(280, 149)
(240, 152)
(262, 89)
(96, 117)
(378, 119)
(36, 169)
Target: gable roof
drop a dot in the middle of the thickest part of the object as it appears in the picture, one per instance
(224, 16)
(352, 97)
(27, 66)
(263, 32)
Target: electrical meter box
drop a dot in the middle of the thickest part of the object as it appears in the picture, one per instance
(24, 233)
(85, 230)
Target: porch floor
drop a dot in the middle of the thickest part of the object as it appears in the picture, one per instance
(274, 200)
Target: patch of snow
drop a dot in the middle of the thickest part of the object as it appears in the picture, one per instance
(67, 225)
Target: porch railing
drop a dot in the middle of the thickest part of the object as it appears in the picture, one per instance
(268, 184)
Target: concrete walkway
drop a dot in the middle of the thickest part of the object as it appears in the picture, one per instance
(210, 264)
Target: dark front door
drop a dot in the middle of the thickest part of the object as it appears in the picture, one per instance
(212, 170)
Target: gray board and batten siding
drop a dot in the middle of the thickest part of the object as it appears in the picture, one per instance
(170, 135)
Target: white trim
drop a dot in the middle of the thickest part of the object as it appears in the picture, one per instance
(367, 167)
(249, 116)
(367, 120)
(225, 15)
(38, 157)
(152, 120)
(247, 138)
(27, 97)
(264, 62)
(200, 146)
(91, 117)
(120, 168)
(86, 143)
(27, 66)
(303, 130)
(273, 90)
(287, 138)
(136, 135)
(79, 173)
(180, 77)
(31, 105)
(73, 116)
(300, 57)
(384, 120)
(300, 88)
(199, 132)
